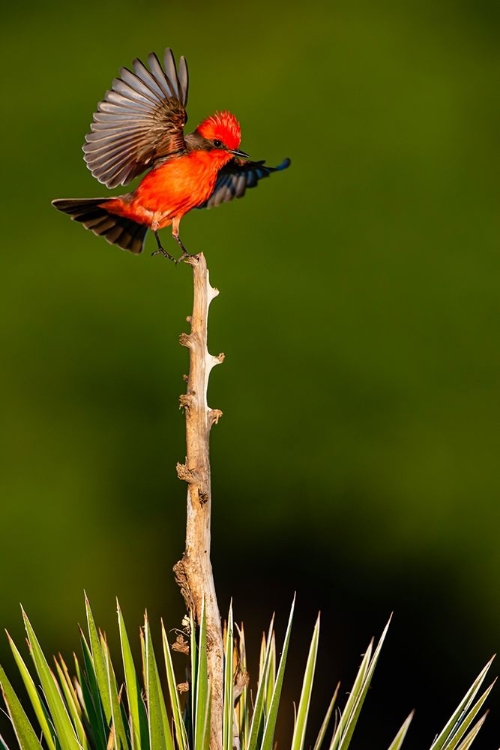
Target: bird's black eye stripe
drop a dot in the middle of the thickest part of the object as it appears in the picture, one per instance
(218, 144)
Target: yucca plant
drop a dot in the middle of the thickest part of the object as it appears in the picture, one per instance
(216, 707)
(94, 711)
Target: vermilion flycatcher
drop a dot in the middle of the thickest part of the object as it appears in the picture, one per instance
(139, 126)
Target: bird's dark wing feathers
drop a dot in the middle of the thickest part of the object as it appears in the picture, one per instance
(140, 120)
(236, 177)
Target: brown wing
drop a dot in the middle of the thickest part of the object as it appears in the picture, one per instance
(234, 179)
(141, 119)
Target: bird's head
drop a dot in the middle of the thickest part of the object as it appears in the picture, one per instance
(223, 131)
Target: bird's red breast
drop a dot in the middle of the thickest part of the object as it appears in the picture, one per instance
(172, 189)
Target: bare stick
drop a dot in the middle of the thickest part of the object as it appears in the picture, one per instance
(194, 572)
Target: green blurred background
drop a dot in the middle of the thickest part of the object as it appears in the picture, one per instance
(357, 461)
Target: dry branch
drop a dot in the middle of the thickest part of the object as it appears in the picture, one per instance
(194, 571)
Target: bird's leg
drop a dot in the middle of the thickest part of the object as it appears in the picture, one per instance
(161, 250)
(175, 235)
(185, 253)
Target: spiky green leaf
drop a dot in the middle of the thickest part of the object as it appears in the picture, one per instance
(343, 735)
(193, 654)
(137, 713)
(180, 728)
(25, 733)
(201, 688)
(326, 721)
(259, 715)
(397, 742)
(160, 737)
(227, 724)
(38, 706)
(243, 706)
(471, 736)
(91, 696)
(55, 703)
(71, 702)
(271, 674)
(120, 735)
(98, 662)
(299, 731)
(463, 715)
(268, 738)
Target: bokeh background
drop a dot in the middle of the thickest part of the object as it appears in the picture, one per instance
(357, 462)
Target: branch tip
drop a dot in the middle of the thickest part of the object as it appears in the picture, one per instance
(193, 260)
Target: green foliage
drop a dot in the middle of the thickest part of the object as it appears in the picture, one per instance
(93, 711)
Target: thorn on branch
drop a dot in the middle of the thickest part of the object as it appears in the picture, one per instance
(214, 416)
(212, 292)
(213, 361)
(185, 400)
(185, 474)
(185, 340)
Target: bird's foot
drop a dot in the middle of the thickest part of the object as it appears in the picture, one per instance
(162, 251)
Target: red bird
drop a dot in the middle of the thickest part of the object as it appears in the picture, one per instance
(139, 126)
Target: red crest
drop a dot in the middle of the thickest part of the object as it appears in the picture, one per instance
(223, 126)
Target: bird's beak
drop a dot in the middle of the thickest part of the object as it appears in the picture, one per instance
(237, 152)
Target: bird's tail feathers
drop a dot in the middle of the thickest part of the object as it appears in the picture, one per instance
(118, 230)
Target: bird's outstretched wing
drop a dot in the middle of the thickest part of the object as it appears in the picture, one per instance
(140, 120)
(236, 177)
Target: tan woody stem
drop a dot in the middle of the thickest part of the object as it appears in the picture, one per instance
(194, 571)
